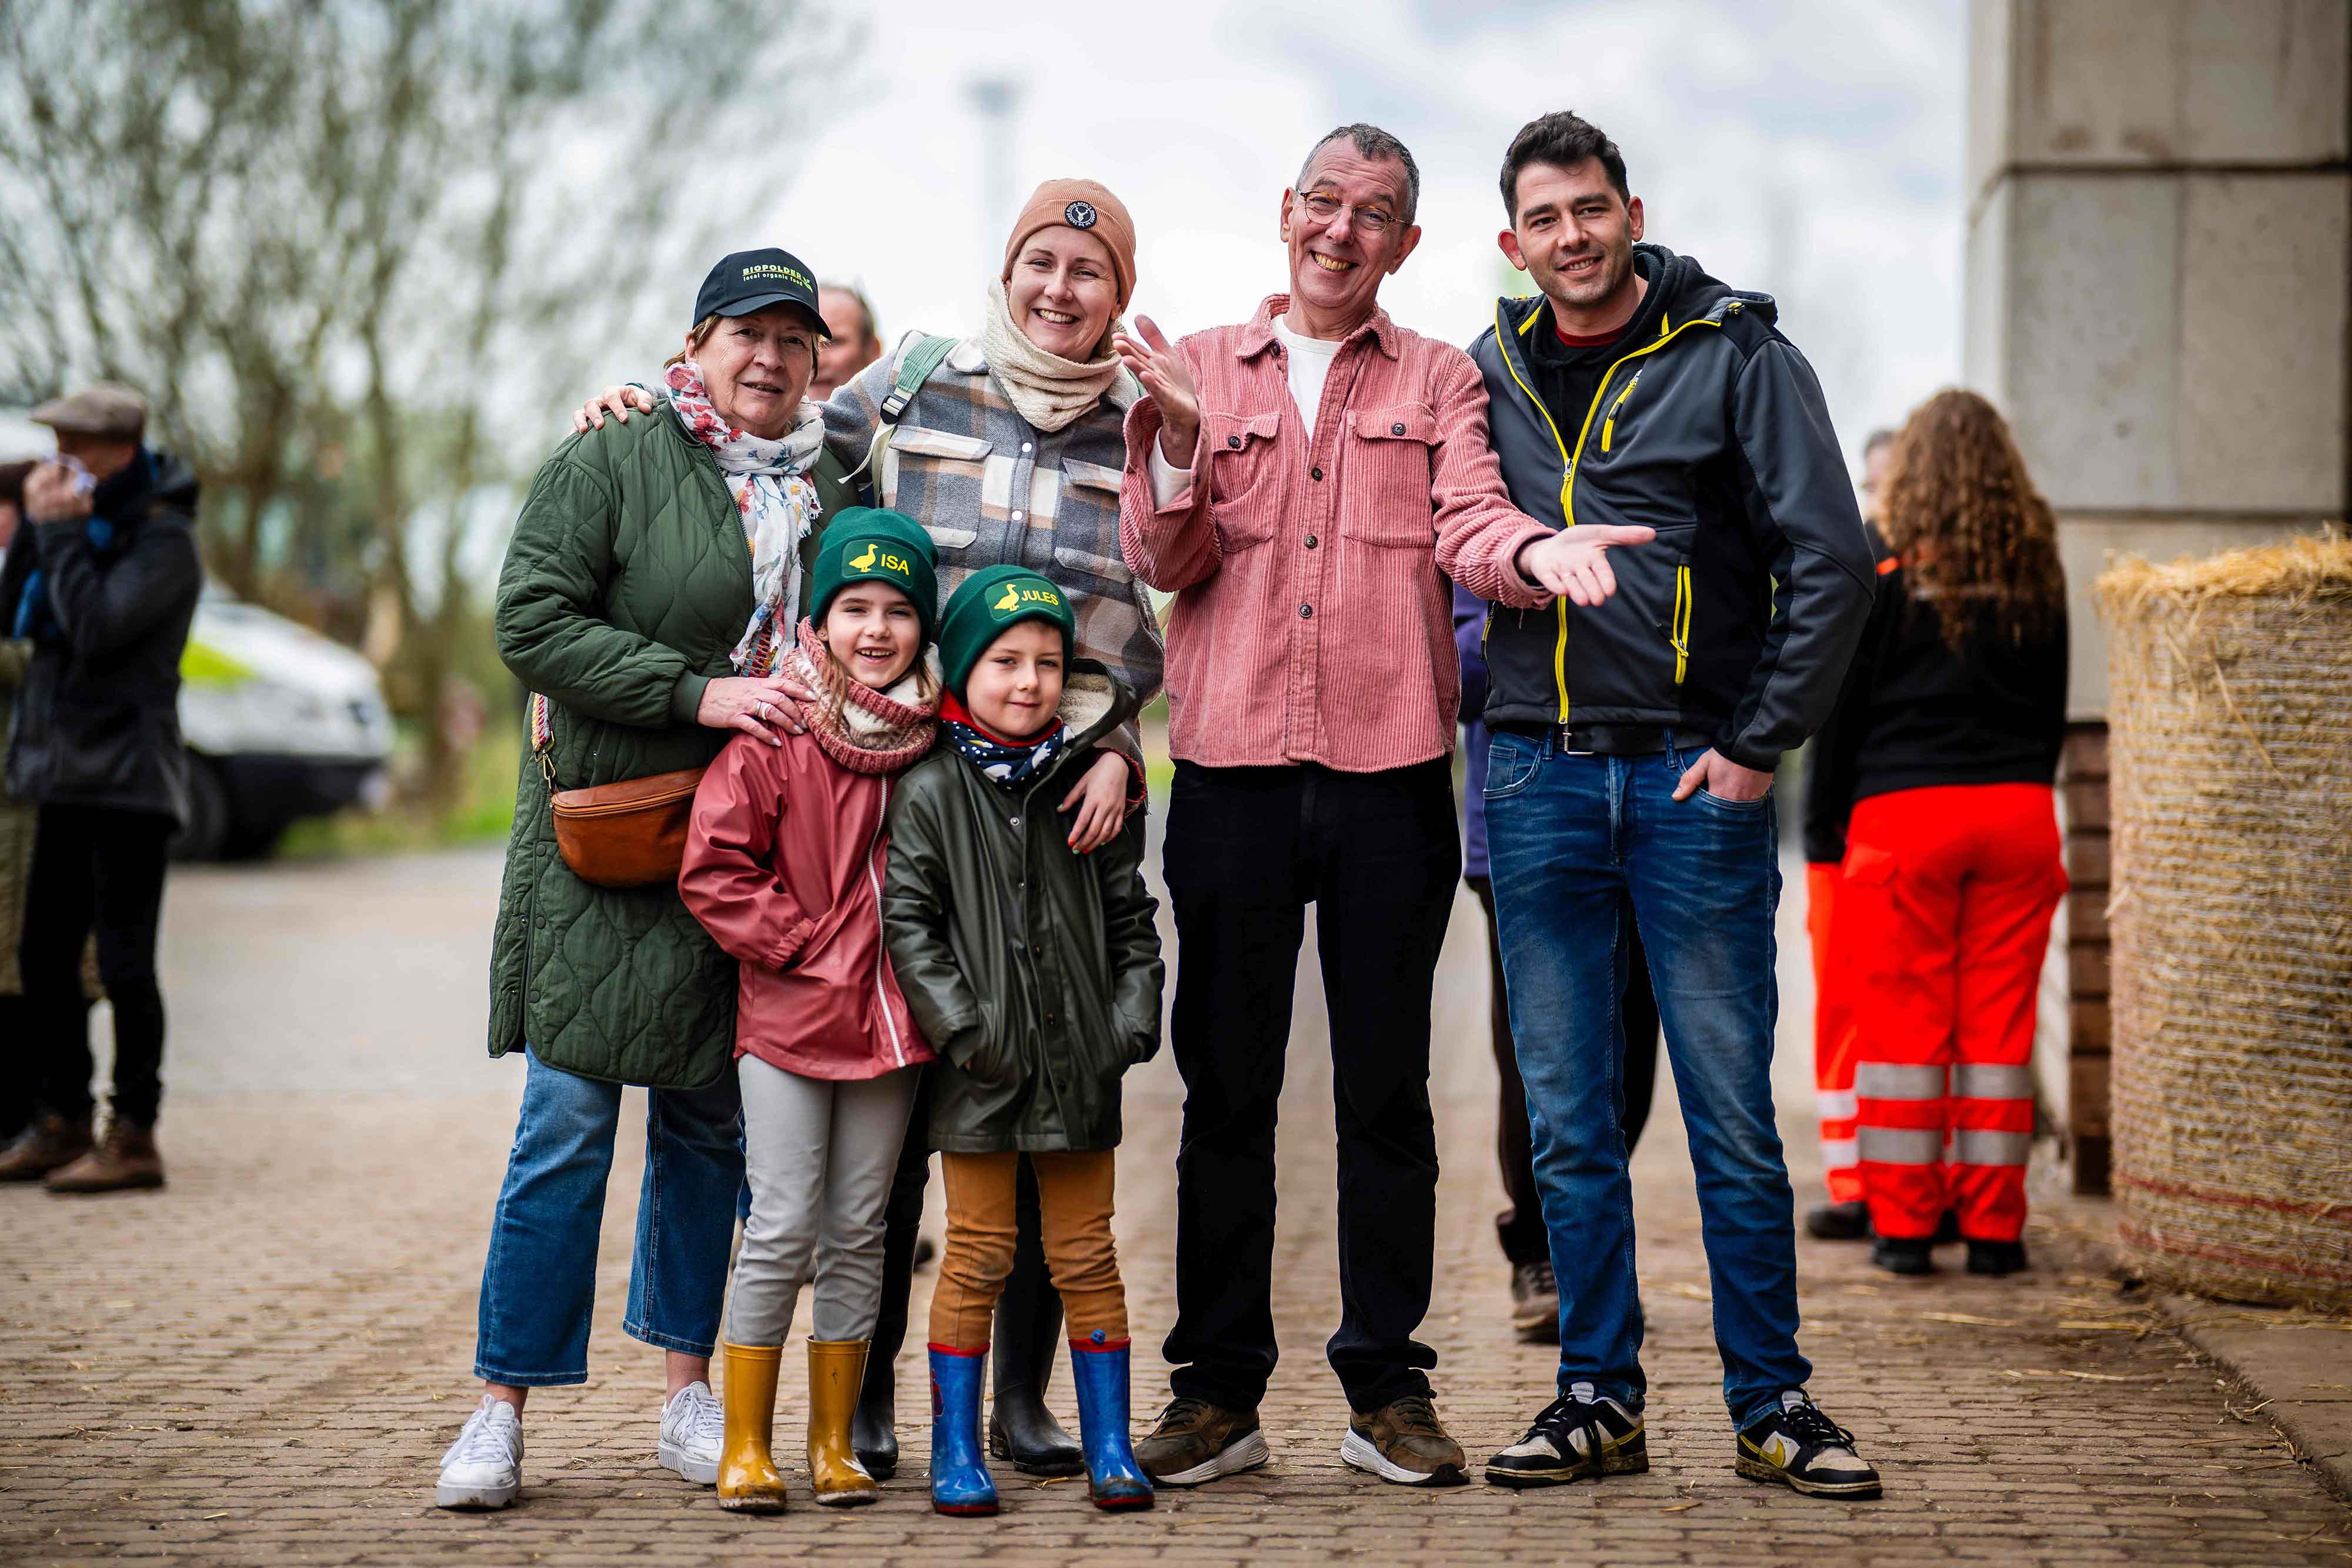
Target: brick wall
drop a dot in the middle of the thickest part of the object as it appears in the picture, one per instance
(2084, 770)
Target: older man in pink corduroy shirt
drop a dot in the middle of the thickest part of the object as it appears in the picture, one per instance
(1289, 480)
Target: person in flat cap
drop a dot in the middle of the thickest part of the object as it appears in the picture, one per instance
(1008, 446)
(651, 591)
(101, 581)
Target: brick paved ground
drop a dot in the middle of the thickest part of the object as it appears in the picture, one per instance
(262, 1364)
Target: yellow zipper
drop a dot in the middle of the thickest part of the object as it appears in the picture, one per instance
(1567, 477)
(1681, 624)
(1609, 425)
(1556, 438)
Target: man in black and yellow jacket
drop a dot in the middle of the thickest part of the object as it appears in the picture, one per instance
(1630, 766)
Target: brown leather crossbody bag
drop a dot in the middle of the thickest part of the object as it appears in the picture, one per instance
(631, 833)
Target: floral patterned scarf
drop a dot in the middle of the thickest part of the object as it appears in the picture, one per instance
(776, 499)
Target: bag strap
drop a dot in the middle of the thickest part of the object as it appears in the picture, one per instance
(923, 356)
(542, 738)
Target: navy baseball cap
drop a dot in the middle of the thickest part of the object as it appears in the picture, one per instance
(753, 280)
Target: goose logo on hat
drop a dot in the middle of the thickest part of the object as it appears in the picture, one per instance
(1079, 215)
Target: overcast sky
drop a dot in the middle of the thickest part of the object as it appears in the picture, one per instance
(1809, 148)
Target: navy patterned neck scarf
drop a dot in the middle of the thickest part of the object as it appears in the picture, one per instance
(1012, 763)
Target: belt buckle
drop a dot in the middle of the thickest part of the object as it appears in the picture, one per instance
(1565, 749)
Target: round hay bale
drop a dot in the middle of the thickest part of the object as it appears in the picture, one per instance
(2231, 768)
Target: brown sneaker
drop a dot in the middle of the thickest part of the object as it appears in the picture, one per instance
(1405, 1443)
(1196, 1441)
(1535, 1303)
(50, 1142)
(125, 1158)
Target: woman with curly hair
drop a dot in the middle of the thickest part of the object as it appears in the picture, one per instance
(1931, 788)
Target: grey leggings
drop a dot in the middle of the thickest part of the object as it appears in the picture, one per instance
(819, 1153)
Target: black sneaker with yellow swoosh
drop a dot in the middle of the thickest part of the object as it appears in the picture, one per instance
(1799, 1447)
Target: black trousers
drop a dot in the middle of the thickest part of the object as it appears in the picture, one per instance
(102, 870)
(1376, 853)
(1520, 1228)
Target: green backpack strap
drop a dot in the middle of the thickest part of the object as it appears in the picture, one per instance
(923, 356)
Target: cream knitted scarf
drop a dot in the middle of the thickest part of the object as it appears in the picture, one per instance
(1046, 390)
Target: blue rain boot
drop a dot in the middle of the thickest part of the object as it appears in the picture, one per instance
(959, 1480)
(1113, 1478)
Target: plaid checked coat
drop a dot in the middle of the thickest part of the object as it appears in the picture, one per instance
(993, 490)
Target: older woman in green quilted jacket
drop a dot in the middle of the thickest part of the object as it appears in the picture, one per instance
(651, 571)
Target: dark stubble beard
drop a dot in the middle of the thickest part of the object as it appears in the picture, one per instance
(1616, 266)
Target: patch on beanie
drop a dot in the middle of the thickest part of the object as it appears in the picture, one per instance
(1018, 596)
(877, 559)
(1079, 215)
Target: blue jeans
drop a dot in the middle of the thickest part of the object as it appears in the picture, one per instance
(539, 1285)
(1573, 837)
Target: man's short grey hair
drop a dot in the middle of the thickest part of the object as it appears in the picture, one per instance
(1371, 141)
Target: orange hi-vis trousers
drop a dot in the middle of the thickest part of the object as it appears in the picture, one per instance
(1833, 1042)
(1939, 928)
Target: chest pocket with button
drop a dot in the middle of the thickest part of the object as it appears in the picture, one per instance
(1391, 457)
(936, 478)
(1245, 475)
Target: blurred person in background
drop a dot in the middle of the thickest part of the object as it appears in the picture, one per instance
(102, 581)
(1527, 1245)
(1007, 447)
(1845, 1217)
(17, 818)
(648, 648)
(853, 338)
(1933, 795)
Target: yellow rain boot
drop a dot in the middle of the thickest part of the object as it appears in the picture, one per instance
(836, 1372)
(748, 1478)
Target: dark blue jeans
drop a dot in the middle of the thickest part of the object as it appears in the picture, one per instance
(1574, 838)
(538, 1284)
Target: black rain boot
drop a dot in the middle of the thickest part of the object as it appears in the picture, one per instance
(1028, 1342)
(1995, 1256)
(1838, 1222)
(873, 1435)
(1904, 1254)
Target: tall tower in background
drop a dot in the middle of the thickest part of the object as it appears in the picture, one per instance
(995, 99)
(2159, 291)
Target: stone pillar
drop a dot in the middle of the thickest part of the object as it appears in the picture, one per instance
(2160, 285)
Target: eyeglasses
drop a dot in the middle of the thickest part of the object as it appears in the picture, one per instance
(1325, 208)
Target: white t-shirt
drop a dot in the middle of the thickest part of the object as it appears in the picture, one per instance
(1310, 360)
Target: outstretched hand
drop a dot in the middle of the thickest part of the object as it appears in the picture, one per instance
(1574, 562)
(1168, 381)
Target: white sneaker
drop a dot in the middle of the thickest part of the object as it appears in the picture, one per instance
(693, 1430)
(483, 1468)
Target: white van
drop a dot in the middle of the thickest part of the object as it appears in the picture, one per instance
(280, 723)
